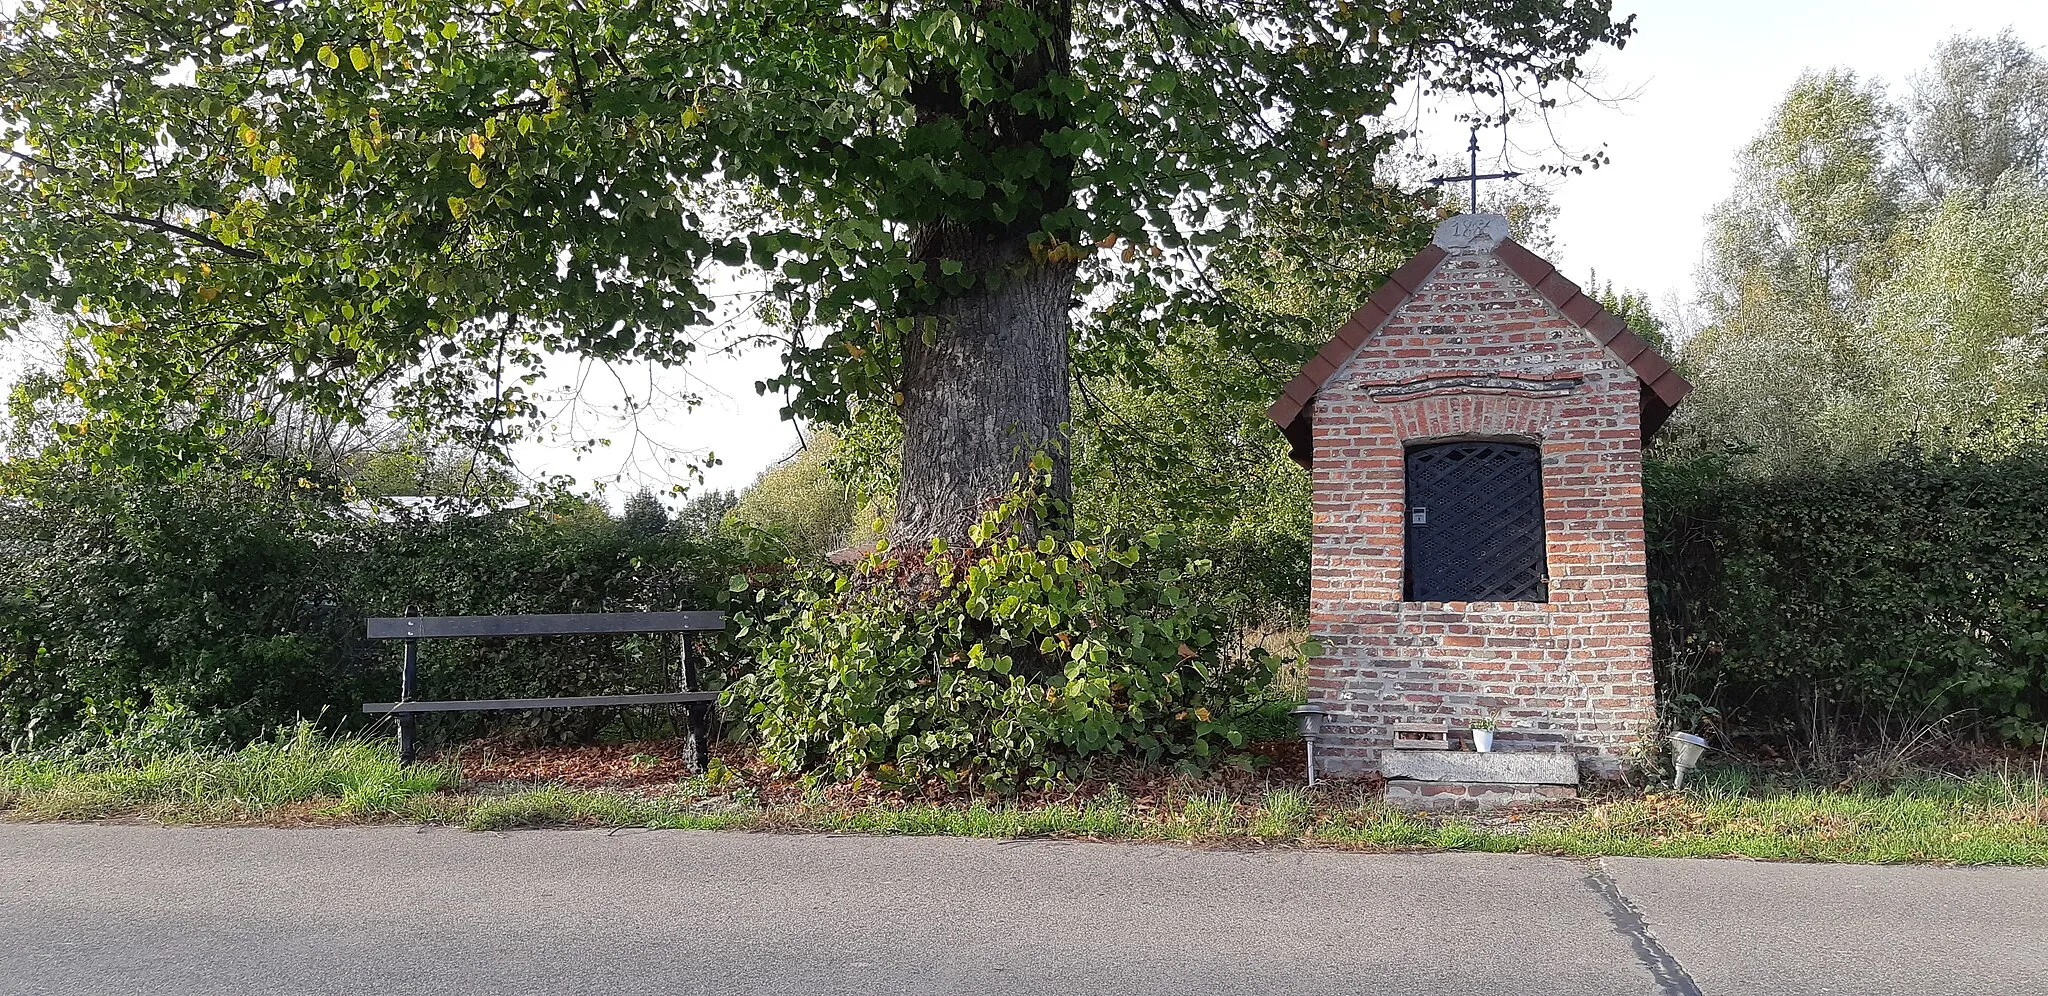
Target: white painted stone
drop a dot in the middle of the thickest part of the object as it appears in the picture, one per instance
(1470, 233)
(1498, 768)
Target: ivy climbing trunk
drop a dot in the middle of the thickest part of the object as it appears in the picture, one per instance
(985, 378)
(987, 388)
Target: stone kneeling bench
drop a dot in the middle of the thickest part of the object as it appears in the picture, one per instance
(1439, 779)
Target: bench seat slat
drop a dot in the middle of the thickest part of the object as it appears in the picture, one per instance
(565, 702)
(547, 624)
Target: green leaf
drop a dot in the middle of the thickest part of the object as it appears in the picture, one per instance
(358, 58)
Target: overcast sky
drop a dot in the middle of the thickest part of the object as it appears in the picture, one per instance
(1707, 74)
(1703, 76)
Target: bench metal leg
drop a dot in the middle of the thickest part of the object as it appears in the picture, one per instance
(700, 712)
(700, 734)
(409, 690)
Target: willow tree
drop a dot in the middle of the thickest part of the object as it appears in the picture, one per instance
(421, 198)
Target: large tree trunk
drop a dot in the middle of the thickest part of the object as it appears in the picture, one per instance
(986, 389)
(990, 388)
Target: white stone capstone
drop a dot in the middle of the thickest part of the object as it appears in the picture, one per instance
(1470, 233)
(1498, 767)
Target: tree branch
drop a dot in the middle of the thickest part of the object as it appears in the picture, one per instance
(183, 232)
(32, 160)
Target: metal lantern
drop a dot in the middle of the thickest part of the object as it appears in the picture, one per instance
(1311, 720)
(1685, 754)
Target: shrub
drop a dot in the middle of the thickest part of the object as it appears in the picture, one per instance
(1017, 660)
(566, 556)
(1860, 597)
(800, 498)
(211, 608)
(205, 600)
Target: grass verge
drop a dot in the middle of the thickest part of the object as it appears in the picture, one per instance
(265, 779)
(308, 778)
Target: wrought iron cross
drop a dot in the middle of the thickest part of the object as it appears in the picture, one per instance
(1475, 176)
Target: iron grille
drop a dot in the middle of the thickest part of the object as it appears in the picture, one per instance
(1475, 523)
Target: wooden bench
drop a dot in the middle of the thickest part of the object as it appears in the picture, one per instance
(414, 628)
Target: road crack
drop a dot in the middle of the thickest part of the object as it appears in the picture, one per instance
(1672, 978)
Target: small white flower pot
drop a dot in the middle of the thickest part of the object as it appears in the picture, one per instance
(1482, 741)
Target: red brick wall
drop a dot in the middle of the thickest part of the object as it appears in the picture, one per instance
(1571, 674)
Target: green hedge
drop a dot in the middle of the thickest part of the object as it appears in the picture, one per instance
(1870, 599)
(215, 608)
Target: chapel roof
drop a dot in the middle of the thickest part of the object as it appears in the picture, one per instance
(1662, 386)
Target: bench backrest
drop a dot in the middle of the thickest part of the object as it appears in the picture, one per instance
(553, 624)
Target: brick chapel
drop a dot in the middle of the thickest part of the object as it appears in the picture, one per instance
(1475, 435)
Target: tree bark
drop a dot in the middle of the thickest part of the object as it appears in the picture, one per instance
(988, 391)
(985, 386)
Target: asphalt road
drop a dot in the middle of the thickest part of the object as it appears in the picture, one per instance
(175, 912)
